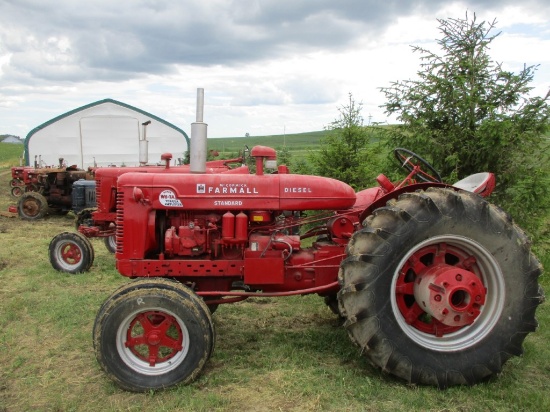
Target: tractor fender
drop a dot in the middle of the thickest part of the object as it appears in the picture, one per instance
(381, 201)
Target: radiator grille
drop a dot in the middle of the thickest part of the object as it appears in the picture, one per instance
(98, 191)
(119, 221)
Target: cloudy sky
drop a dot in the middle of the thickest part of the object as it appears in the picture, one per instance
(267, 66)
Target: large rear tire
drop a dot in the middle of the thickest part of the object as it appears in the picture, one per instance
(152, 334)
(440, 288)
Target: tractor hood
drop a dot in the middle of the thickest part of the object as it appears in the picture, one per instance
(240, 192)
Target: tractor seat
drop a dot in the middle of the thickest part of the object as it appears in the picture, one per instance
(481, 183)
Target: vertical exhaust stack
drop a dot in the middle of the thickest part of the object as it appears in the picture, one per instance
(143, 145)
(198, 138)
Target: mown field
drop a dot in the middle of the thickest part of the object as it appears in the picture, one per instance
(285, 354)
(298, 143)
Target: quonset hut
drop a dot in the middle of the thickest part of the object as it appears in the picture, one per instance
(107, 132)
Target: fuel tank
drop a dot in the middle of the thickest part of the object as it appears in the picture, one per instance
(239, 191)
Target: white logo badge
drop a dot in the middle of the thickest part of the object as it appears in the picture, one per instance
(168, 198)
(201, 188)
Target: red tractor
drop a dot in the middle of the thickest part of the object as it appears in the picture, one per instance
(17, 182)
(47, 189)
(94, 203)
(434, 284)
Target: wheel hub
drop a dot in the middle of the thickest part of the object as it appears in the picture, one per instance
(153, 338)
(452, 295)
(71, 254)
(30, 207)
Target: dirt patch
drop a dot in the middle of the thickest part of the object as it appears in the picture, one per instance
(7, 214)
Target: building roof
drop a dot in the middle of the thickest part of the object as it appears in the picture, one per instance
(12, 139)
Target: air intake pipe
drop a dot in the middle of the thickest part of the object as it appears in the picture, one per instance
(144, 145)
(198, 138)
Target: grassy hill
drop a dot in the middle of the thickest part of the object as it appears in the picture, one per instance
(297, 140)
(298, 143)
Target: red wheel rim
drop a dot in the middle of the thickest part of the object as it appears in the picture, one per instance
(154, 337)
(71, 253)
(435, 264)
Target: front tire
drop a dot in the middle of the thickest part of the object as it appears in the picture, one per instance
(152, 334)
(440, 288)
(16, 182)
(17, 191)
(71, 253)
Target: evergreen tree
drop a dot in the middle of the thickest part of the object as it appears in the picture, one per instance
(466, 113)
(344, 153)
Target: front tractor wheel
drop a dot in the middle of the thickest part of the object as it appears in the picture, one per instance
(440, 288)
(150, 336)
(17, 191)
(16, 182)
(71, 252)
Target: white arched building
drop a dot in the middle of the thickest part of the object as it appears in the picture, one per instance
(103, 133)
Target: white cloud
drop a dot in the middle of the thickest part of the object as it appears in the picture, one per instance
(266, 66)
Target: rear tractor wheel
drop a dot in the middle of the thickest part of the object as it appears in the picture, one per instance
(32, 206)
(152, 334)
(440, 288)
(71, 253)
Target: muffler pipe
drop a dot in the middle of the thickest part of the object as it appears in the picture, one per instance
(198, 138)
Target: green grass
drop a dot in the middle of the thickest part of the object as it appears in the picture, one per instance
(9, 154)
(286, 354)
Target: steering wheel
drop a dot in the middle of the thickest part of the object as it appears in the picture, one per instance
(414, 164)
